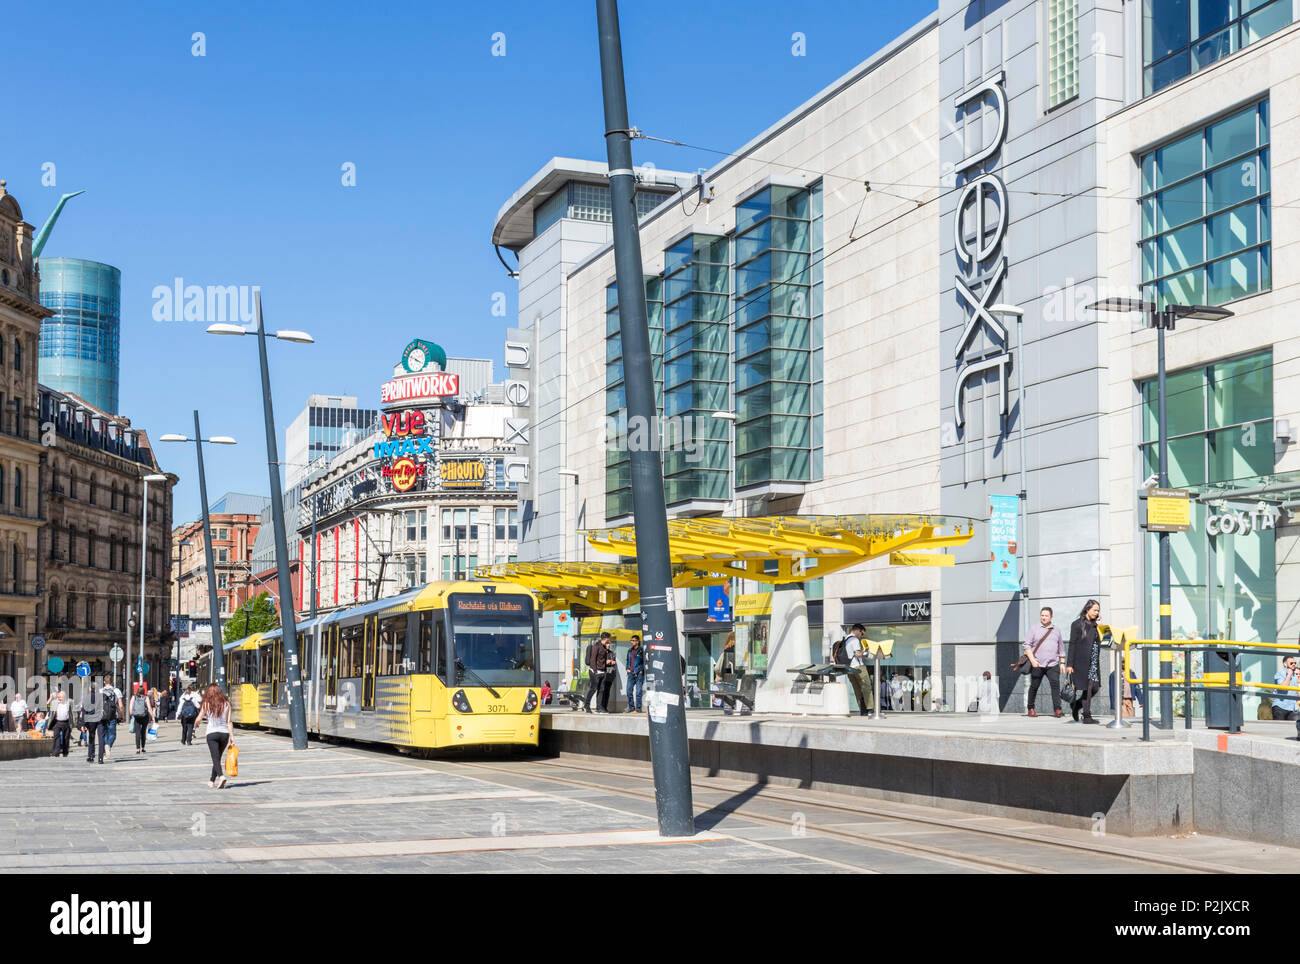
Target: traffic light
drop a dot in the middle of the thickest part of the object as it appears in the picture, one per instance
(194, 667)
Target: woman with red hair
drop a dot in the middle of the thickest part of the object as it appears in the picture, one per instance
(216, 710)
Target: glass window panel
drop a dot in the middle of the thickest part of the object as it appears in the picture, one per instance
(753, 371)
(1150, 261)
(790, 202)
(754, 275)
(1178, 160)
(753, 209)
(754, 308)
(791, 398)
(1233, 278)
(1230, 137)
(677, 257)
(753, 469)
(790, 464)
(712, 277)
(1232, 184)
(1182, 249)
(1211, 15)
(752, 339)
(790, 299)
(1182, 289)
(754, 403)
(789, 266)
(790, 366)
(1187, 461)
(711, 307)
(1242, 452)
(711, 248)
(791, 431)
(1165, 26)
(1232, 231)
(1213, 48)
(1180, 204)
(1241, 390)
(1265, 222)
(1166, 72)
(1265, 21)
(789, 235)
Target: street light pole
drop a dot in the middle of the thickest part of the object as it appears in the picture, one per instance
(1160, 319)
(144, 555)
(577, 538)
(209, 554)
(292, 668)
(669, 750)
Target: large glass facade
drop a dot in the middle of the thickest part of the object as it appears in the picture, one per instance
(1206, 223)
(697, 369)
(774, 375)
(618, 457)
(1222, 579)
(80, 344)
(1179, 37)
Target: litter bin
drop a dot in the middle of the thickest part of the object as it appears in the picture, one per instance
(1221, 710)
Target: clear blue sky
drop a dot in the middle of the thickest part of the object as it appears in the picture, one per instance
(226, 169)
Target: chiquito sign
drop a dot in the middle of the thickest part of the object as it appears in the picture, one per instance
(977, 241)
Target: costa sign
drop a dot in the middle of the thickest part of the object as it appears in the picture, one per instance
(422, 386)
(977, 242)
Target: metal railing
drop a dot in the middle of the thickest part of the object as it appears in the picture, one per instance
(1231, 683)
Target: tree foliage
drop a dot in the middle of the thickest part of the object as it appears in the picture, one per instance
(256, 616)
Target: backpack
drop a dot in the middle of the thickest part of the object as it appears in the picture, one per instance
(188, 709)
(139, 706)
(586, 657)
(107, 707)
(840, 652)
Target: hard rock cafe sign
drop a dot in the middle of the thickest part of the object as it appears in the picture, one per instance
(404, 473)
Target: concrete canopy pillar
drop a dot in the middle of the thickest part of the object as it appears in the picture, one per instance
(788, 647)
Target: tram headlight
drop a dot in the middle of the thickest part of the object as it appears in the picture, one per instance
(530, 703)
(461, 702)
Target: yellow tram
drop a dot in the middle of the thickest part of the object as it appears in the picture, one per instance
(241, 657)
(449, 664)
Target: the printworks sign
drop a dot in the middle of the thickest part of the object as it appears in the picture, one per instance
(979, 227)
(1004, 513)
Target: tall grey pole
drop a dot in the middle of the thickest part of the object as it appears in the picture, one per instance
(144, 554)
(313, 556)
(292, 670)
(1024, 486)
(669, 751)
(1166, 613)
(214, 608)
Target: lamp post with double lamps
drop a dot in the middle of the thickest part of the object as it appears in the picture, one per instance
(144, 556)
(1161, 319)
(292, 666)
(214, 608)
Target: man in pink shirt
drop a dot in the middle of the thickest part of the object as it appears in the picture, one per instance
(1045, 651)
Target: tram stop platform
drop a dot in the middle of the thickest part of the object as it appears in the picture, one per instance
(1044, 769)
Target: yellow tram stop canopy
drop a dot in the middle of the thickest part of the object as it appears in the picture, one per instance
(770, 549)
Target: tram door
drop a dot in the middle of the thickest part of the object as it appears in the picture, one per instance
(368, 664)
(331, 665)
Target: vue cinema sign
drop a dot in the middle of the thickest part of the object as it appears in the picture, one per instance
(979, 228)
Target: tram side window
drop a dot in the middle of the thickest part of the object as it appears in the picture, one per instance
(267, 664)
(424, 651)
(351, 651)
(393, 640)
(440, 650)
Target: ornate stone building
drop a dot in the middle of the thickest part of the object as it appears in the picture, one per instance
(22, 511)
(93, 488)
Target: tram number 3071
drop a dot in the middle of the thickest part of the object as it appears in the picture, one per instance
(496, 708)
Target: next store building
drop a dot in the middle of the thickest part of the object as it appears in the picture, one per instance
(832, 290)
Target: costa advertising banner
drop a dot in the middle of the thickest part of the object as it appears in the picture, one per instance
(1004, 514)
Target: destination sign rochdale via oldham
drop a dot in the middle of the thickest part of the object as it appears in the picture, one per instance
(425, 385)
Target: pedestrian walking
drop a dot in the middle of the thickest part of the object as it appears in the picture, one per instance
(18, 712)
(597, 658)
(141, 717)
(96, 711)
(851, 654)
(4, 714)
(610, 678)
(60, 725)
(215, 708)
(1044, 651)
(988, 696)
(635, 675)
(1085, 660)
(119, 713)
(189, 712)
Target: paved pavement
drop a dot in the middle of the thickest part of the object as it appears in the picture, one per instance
(354, 809)
(330, 808)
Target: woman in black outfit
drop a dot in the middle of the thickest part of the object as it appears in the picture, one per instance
(1084, 659)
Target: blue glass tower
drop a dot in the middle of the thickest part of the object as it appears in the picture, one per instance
(79, 348)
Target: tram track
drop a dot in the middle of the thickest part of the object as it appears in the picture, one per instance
(1142, 861)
